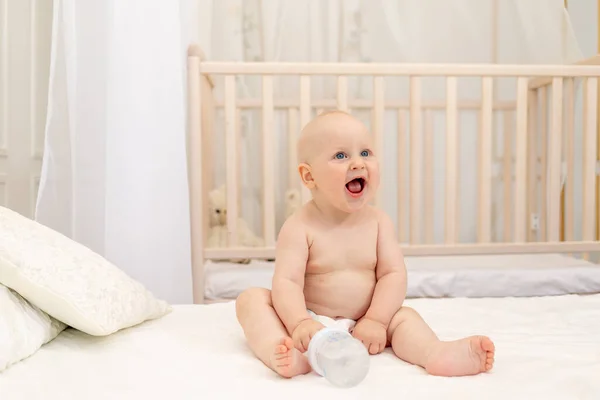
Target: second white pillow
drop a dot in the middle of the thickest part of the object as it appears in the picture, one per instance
(24, 329)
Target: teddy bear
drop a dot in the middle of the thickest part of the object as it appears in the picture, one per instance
(217, 231)
(292, 202)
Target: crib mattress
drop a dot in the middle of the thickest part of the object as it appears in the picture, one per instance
(547, 347)
(444, 276)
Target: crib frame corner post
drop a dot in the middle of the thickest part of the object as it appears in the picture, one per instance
(195, 178)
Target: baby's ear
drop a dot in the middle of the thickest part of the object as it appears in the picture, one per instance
(306, 175)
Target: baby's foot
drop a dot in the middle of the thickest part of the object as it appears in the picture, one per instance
(468, 356)
(287, 361)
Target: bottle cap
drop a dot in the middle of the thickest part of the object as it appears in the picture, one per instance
(315, 342)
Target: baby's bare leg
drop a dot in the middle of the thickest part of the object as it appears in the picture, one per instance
(413, 341)
(266, 335)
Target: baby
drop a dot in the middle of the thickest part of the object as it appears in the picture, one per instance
(338, 258)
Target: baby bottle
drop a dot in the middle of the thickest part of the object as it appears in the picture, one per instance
(339, 357)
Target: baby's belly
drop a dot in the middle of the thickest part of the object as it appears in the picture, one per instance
(340, 294)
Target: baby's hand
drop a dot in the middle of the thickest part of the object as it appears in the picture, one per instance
(372, 334)
(304, 333)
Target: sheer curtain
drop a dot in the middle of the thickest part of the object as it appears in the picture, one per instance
(114, 172)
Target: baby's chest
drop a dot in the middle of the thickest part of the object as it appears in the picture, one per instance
(335, 251)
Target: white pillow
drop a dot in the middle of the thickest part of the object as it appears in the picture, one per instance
(23, 328)
(69, 281)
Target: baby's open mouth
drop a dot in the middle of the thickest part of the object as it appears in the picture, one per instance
(356, 185)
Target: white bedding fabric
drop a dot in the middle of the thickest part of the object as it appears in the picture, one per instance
(449, 276)
(547, 348)
(24, 328)
(69, 281)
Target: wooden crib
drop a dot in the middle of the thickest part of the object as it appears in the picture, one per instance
(534, 193)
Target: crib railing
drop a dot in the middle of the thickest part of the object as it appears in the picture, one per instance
(522, 176)
(560, 157)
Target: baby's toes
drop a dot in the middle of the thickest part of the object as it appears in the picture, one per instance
(487, 345)
(281, 350)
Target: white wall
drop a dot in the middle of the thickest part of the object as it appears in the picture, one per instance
(584, 15)
(25, 31)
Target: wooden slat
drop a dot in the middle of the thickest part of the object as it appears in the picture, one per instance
(589, 158)
(428, 182)
(532, 160)
(231, 164)
(195, 178)
(396, 69)
(238, 130)
(305, 118)
(268, 167)
(416, 151)
(432, 249)
(451, 194)
(507, 137)
(569, 189)
(342, 93)
(378, 115)
(543, 146)
(365, 104)
(554, 162)
(519, 222)
(484, 222)
(402, 182)
(292, 147)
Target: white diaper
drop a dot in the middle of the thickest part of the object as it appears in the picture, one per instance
(342, 323)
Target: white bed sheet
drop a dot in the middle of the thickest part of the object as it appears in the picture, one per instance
(547, 348)
(444, 276)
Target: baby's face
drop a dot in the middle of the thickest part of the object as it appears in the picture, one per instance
(345, 169)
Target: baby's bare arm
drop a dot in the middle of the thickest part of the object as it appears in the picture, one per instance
(390, 289)
(288, 278)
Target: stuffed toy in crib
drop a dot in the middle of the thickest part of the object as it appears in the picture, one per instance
(217, 231)
(292, 202)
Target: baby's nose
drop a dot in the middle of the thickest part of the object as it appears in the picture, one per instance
(358, 164)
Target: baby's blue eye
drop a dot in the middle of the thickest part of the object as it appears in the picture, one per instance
(364, 153)
(340, 156)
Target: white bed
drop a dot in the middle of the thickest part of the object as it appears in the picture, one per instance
(443, 276)
(547, 348)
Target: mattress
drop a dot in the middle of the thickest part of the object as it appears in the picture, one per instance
(547, 348)
(444, 276)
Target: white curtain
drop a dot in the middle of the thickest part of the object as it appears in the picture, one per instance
(114, 172)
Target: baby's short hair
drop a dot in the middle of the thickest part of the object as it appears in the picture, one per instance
(330, 112)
